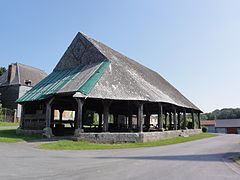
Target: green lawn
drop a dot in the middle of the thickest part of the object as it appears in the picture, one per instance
(8, 124)
(72, 145)
(10, 136)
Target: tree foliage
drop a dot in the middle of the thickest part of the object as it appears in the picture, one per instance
(2, 70)
(226, 113)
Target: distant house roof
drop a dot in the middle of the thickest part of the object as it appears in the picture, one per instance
(208, 122)
(21, 74)
(94, 70)
(228, 123)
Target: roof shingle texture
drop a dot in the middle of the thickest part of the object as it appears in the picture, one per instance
(123, 79)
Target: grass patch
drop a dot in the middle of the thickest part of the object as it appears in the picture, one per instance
(10, 136)
(8, 124)
(72, 145)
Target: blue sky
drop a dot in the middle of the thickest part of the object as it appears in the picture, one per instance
(195, 45)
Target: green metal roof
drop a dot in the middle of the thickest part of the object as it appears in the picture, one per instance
(58, 79)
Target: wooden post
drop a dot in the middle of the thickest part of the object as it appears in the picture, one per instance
(170, 121)
(79, 117)
(184, 119)
(199, 121)
(165, 120)
(100, 121)
(140, 118)
(160, 119)
(47, 131)
(60, 114)
(130, 116)
(174, 118)
(22, 116)
(48, 112)
(179, 121)
(115, 120)
(147, 120)
(193, 121)
(106, 106)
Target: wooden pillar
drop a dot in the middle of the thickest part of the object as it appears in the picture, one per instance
(193, 121)
(160, 118)
(100, 121)
(170, 121)
(130, 113)
(199, 121)
(174, 118)
(79, 117)
(147, 121)
(48, 113)
(106, 106)
(60, 116)
(179, 121)
(47, 131)
(140, 117)
(165, 125)
(22, 116)
(115, 120)
(184, 119)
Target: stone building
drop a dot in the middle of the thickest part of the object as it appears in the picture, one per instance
(92, 76)
(15, 82)
(229, 126)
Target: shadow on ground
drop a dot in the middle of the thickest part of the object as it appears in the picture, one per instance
(196, 157)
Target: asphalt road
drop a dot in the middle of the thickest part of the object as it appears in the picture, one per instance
(201, 159)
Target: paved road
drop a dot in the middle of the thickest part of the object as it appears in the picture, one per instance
(201, 159)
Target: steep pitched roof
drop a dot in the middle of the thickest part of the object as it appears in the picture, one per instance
(18, 73)
(221, 123)
(107, 74)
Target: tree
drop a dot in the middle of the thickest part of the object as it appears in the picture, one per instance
(2, 70)
(226, 113)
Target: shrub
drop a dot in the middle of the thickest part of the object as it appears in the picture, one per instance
(204, 129)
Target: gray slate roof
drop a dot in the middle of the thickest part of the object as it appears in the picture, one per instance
(124, 78)
(20, 73)
(227, 123)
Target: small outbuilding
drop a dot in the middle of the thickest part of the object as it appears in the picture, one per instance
(91, 77)
(15, 82)
(229, 126)
(209, 124)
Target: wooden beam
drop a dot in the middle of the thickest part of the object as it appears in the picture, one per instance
(160, 118)
(170, 121)
(179, 121)
(193, 120)
(79, 117)
(140, 117)
(48, 112)
(184, 119)
(106, 106)
(174, 118)
(199, 121)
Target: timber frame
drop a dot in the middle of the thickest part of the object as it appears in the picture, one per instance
(39, 115)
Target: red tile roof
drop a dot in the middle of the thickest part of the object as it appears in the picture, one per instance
(208, 122)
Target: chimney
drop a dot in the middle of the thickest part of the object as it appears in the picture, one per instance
(11, 73)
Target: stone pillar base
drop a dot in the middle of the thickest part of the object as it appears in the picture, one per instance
(161, 129)
(47, 132)
(77, 132)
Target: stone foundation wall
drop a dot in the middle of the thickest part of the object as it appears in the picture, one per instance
(29, 132)
(155, 136)
(132, 137)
